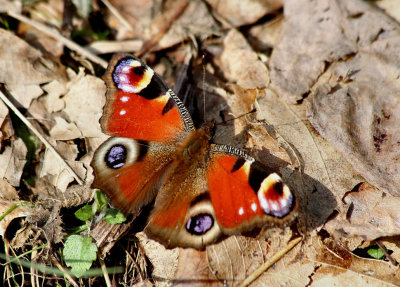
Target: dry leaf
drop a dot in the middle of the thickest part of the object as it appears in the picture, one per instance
(336, 266)
(187, 26)
(356, 107)
(241, 64)
(193, 269)
(19, 211)
(23, 69)
(12, 162)
(55, 171)
(244, 12)
(84, 104)
(370, 214)
(164, 260)
(305, 46)
(235, 258)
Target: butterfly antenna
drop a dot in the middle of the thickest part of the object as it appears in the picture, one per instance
(235, 118)
(204, 87)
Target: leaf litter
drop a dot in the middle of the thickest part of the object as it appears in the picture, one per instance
(325, 117)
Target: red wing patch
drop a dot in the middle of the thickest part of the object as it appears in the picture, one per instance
(245, 196)
(139, 104)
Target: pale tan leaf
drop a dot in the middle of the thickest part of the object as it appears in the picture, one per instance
(370, 214)
(7, 191)
(55, 171)
(356, 107)
(12, 162)
(84, 104)
(165, 261)
(244, 12)
(237, 257)
(62, 130)
(19, 211)
(336, 266)
(312, 36)
(187, 26)
(241, 64)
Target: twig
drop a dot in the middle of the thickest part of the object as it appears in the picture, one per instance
(65, 273)
(56, 35)
(41, 138)
(270, 262)
(384, 250)
(163, 21)
(105, 272)
(118, 15)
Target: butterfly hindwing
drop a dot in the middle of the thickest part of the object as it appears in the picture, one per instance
(183, 214)
(244, 193)
(129, 170)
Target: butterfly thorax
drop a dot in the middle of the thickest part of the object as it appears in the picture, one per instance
(195, 146)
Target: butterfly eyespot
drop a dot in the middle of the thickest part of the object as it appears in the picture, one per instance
(115, 153)
(116, 156)
(275, 197)
(131, 76)
(200, 224)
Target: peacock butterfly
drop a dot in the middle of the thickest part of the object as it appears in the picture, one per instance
(202, 190)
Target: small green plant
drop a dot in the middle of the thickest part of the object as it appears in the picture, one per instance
(79, 251)
(375, 252)
(79, 254)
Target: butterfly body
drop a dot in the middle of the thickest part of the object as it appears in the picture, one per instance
(202, 190)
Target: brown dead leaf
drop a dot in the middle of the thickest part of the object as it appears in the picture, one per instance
(336, 266)
(240, 63)
(306, 46)
(164, 261)
(19, 211)
(55, 171)
(356, 108)
(52, 101)
(62, 130)
(266, 35)
(84, 103)
(186, 26)
(370, 214)
(12, 162)
(239, 13)
(193, 269)
(24, 68)
(138, 13)
(235, 258)
(7, 191)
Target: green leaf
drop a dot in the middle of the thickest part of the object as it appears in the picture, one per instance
(375, 252)
(100, 199)
(114, 216)
(79, 253)
(84, 213)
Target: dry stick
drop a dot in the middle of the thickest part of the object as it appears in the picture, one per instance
(56, 35)
(270, 262)
(41, 138)
(118, 15)
(59, 266)
(383, 248)
(105, 272)
(166, 20)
